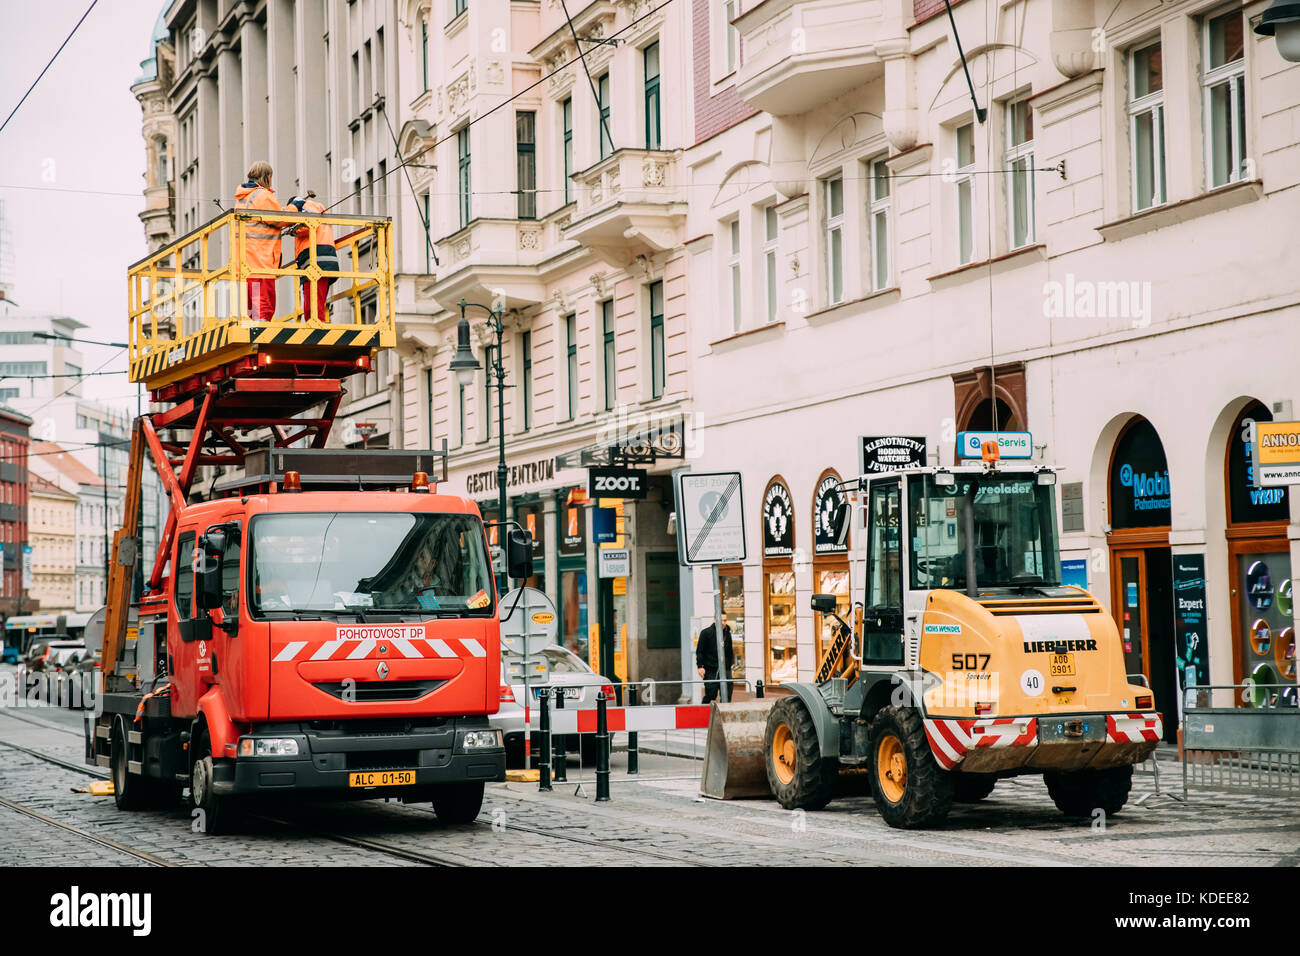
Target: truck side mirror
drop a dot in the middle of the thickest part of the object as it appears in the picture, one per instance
(823, 603)
(519, 554)
(207, 582)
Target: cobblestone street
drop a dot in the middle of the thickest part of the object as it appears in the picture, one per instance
(655, 818)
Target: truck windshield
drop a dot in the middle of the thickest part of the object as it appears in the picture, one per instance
(1015, 531)
(358, 562)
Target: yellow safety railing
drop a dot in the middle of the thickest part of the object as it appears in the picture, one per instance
(189, 301)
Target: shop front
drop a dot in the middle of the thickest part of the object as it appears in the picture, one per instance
(1259, 563)
(830, 560)
(1141, 562)
(781, 653)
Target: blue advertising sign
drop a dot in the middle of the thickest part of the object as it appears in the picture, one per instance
(1192, 643)
(604, 522)
(1075, 572)
(1010, 444)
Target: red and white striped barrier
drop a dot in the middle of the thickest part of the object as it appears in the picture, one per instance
(1133, 728)
(635, 719)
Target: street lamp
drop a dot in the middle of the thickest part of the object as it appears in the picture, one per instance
(1282, 19)
(464, 366)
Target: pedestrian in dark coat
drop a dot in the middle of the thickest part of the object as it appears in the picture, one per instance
(706, 656)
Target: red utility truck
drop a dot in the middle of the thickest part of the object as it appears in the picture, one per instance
(325, 623)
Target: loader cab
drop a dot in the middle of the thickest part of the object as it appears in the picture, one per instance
(988, 531)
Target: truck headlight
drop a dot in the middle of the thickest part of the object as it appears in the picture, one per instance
(481, 739)
(268, 747)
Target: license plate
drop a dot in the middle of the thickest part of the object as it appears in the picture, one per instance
(1062, 665)
(381, 778)
(570, 693)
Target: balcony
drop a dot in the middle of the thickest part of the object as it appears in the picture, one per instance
(629, 204)
(798, 54)
(491, 258)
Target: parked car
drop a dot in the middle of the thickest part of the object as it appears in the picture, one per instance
(51, 663)
(580, 686)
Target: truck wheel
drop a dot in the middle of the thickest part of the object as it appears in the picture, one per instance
(214, 816)
(458, 802)
(974, 787)
(910, 788)
(800, 777)
(129, 789)
(1079, 793)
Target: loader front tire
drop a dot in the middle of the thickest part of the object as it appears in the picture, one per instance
(911, 790)
(1079, 793)
(800, 777)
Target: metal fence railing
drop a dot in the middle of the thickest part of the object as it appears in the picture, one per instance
(1253, 748)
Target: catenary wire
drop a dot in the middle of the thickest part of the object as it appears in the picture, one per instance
(48, 65)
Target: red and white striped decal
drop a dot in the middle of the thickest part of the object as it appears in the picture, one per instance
(1005, 732)
(417, 647)
(949, 739)
(568, 721)
(1133, 728)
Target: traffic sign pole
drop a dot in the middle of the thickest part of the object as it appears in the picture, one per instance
(724, 688)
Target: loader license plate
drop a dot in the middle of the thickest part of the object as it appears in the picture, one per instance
(1062, 665)
(381, 778)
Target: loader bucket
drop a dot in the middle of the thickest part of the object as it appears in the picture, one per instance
(735, 762)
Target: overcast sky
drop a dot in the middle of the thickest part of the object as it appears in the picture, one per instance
(72, 166)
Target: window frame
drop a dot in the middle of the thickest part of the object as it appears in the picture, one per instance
(609, 352)
(878, 205)
(526, 376)
(566, 136)
(604, 110)
(965, 175)
(658, 341)
(1013, 153)
(832, 229)
(735, 294)
(571, 362)
(464, 180)
(770, 251)
(652, 95)
(731, 39)
(526, 158)
(1233, 73)
(1137, 107)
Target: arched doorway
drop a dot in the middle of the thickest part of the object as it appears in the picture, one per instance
(992, 415)
(1141, 569)
(1259, 568)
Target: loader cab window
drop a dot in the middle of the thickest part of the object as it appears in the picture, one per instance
(882, 617)
(183, 572)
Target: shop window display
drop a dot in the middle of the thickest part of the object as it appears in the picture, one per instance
(783, 655)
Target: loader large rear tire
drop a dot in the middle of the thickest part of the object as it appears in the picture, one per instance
(912, 791)
(800, 777)
(1079, 793)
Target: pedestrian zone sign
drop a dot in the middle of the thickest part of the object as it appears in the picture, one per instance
(710, 518)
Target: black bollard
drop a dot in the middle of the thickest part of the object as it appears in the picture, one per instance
(758, 689)
(558, 752)
(602, 751)
(544, 765)
(631, 736)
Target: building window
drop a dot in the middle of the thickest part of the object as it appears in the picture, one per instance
(428, 240)
(602, 96)
(769, 260)
(424, 51)
(966, 193)
(566, 111)
(526, 163)
(878, 214)
(458, 7)
(833, 200)
(1019, 161)
(1146, 110)
(733, 271)
(462, 153)
(652, 130)
(571, 360)
(1225, 98)
(610, 353)
(733, 36)
(658, 372)
(526, 350)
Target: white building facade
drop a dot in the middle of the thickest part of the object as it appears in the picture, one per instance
(1102, 261)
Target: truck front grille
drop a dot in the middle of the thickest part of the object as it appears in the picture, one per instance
(391, 690)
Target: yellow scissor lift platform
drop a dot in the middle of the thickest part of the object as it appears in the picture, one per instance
(190, 322)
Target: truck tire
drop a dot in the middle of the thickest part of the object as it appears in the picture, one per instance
(129, 789)
(973, 787)
(1079, 793)
(215, 817)
(911, 790)
(800, 777)
(458, 803)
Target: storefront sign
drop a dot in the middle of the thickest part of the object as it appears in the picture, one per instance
(617, 483)
(1139, 480)
(1246, 501)
(1010, 444)
(532, 519)
(890, 453)
(614, 563)
(825, 502)
(573, 529)
(1276, 453)
(604, 525)
(778, 521)
(1192, 646)
(28, 566)
(528, 473)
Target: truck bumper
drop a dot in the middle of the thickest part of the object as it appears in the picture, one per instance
(1030, 744)
(327, 760)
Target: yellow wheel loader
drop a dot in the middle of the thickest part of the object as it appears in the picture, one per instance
(966, 660)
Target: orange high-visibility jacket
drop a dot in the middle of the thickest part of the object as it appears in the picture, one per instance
(261, 239)
(321, 236)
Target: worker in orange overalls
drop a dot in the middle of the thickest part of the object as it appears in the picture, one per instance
(261, 241)
(315, 301)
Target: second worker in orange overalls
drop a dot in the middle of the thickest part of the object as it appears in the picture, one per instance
(315, 301)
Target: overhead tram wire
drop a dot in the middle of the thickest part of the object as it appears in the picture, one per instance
(48, 65)
(582, 57)
(397, 155)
